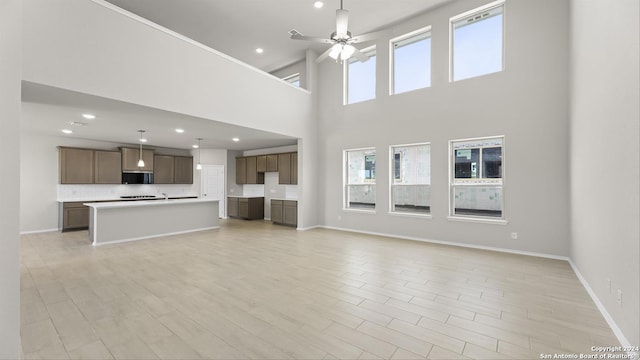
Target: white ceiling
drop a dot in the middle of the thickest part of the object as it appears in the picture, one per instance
(48, 110)
(238, 27)
(234, 27)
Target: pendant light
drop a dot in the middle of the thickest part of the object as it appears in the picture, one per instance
(198, 165)
(141, 162)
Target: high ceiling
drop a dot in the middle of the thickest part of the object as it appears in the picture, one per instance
(238, 27)
(234, 27)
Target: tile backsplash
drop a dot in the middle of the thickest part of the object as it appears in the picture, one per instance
(97, 192)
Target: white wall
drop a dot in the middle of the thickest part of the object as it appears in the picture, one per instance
(605, 154)
(299, 67)
(208, 157)
(10, 63)
(39, 173)
(89, 47)
(527, 103)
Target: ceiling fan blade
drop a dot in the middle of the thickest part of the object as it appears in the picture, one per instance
(323, 56)
(360, 55)
(342, 22)
(312, 38)
(370, 36)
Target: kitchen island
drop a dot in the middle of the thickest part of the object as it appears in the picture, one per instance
(114, 222)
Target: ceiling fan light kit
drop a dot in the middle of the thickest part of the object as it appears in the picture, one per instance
(341, 40)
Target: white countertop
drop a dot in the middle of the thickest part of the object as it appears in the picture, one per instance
(246, 196)
(140, 203)
(284, 199)
(114, 198)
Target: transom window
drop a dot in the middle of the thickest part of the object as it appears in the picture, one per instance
(476, 178)
(360, 78)
(411, 179)
(360, 179)
(293, 79)
(477, 42)
(411, 61)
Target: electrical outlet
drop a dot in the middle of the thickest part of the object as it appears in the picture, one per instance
(609, 285)
(514, 236)
(619, 297)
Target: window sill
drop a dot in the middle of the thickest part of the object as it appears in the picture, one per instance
(363, 211)
(408, 214)
(478, 220)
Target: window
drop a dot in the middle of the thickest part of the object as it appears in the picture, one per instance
(411, 179)
(293, 79)
(477, 177)
(360, 78)
(477, 42)
(411, 61)
(360, 179)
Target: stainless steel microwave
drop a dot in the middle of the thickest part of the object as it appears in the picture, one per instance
(137, 178)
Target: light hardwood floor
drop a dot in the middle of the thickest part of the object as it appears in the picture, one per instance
(260, 291)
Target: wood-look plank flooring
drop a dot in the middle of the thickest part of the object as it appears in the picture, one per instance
(252, 290)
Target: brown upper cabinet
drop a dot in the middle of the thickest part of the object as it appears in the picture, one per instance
(272, 162)
(170, 169)
(251, 169)
(261, 161)
(284, 168)
(130, 157)
(163, 169)
(241, 171)
(108, 167)
(294, 168)
(253, 176)
(76, 165)
(183, 166)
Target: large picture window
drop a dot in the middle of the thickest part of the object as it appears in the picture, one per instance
(477, 42)
(360, 78)
(411, 61)
(411, 179)
(477, 178)
(360, 179)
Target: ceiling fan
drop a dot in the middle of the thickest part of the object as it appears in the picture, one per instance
(341, 40)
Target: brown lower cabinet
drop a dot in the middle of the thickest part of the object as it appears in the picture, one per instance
(74, 216)
(284, 212)
(249, 208)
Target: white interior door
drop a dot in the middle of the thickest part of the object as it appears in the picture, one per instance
(212, 186)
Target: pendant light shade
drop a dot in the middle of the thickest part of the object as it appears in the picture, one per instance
(198, 165)
(141, 162)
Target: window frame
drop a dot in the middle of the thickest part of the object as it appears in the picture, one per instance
(345, 76)
(292, 78)
(392, 178)
(346, 184)
(467, 14)
(502, 220)
(426, 29)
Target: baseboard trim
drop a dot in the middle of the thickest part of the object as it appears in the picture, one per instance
(441, 242)
(309, 228)
(603, 310)
(614, 327)
(38, 231)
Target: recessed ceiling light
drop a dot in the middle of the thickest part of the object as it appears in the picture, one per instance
(77, 123)
(318, 4)
(67, 131)
(236, 139)
(259, 50)
(194, 146)
(88, 116)
(179, 131)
